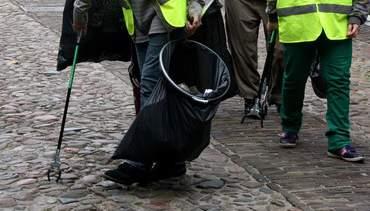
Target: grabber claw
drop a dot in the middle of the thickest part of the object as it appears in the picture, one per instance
(54, 170)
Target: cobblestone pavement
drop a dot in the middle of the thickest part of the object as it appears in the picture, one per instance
(32, 97)
(244, 162)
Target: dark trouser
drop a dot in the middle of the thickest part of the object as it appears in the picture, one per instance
(243, 19)
(134, 73)
(335, 62)
(148, 59)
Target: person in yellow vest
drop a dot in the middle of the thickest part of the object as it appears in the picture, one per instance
(151, 23)
(325, 26)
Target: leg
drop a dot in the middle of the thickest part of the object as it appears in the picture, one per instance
(141, 49)
(297, 58)
(336, 58)
(277, 75)
(150, 71)
(335, 62)
(243, 23)
(134, 73)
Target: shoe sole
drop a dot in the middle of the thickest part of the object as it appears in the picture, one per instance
(251, 116)
(288, 145)
(357, 159)
(178, 174)
(117, 181)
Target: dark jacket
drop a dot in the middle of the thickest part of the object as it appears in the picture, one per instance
(106, 38)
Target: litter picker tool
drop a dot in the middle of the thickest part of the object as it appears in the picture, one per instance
(259, 110)
(55, 170)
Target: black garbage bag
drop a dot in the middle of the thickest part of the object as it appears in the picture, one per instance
(106, 38)
(317, 80)
(212, 34)
(175, 124)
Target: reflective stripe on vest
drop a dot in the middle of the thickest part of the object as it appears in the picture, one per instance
(304, 23)
(173, 11)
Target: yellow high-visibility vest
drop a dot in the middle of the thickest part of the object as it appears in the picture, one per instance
(173, 11)
(304, 20)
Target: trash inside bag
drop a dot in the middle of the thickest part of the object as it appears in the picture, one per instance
(175, 123)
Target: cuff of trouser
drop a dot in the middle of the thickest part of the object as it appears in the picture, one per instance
(290, 131)
(334, 145)
(289, 126)
(336, 141)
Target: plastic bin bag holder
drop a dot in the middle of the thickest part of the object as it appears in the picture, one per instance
(223, 75)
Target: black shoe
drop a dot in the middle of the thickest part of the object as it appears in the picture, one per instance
(248, 104)
(249, 111)
(347, 153)
(163, 171)
(127, 174)
(288, 140)
(255, 111)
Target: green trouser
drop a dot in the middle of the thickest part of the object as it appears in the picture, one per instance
(335, 62)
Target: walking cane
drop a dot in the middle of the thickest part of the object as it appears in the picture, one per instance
(54, 169)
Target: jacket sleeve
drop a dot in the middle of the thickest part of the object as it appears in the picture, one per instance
(195, 7)
(271, 10)
(359, 12)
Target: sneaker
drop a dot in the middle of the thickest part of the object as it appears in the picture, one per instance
(163, 171)
(127, 174)
(347, 153)
(288, 140)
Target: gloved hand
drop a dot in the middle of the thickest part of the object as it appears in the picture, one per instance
(195, 8)
(193, 24)
(80, 20)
